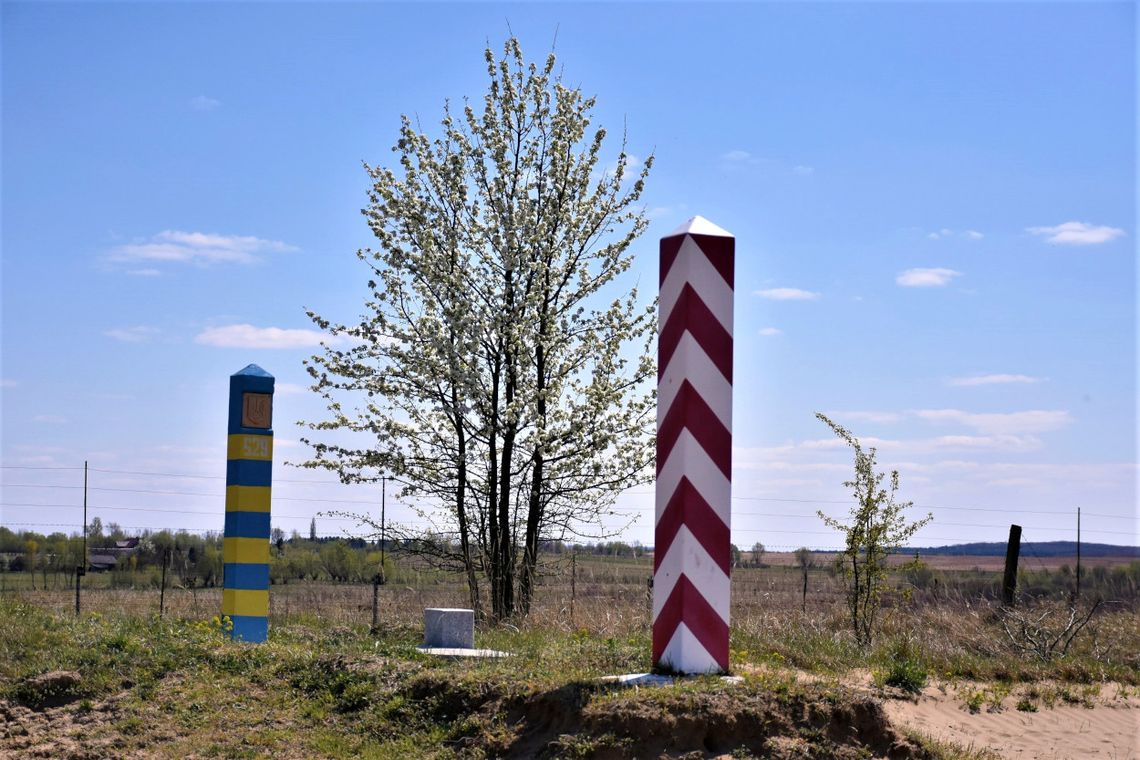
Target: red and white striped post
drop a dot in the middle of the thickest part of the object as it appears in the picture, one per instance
(691, 554)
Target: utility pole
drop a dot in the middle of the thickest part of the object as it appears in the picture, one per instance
(378, 579)
(573, 583)
(162, 591)
(1078, 595)
(383, 537)
(81, 569)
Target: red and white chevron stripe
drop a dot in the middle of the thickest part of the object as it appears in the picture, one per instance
(691, 556)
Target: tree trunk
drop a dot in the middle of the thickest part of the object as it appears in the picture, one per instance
(530, 552)
(506, 559)
(534, 509)
(493, 494)
(461, 512)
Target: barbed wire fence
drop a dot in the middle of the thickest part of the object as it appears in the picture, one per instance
(111, 490)
(364, 506)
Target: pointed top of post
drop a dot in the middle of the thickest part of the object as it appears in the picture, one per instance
(698, 225)
(254, 371)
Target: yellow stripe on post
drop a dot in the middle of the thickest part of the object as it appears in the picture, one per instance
(258, 447)
(247, 498)
(236, 601)
(247, 550)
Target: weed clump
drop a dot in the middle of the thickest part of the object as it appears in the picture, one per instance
(905, 669)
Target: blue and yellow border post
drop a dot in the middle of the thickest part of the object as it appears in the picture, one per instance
(249, 474)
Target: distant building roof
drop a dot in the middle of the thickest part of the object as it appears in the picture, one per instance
(102, 561)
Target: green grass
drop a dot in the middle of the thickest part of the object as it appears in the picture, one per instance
(323, 689)
(905, 669)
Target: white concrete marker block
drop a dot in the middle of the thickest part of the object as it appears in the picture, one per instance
(449, 628)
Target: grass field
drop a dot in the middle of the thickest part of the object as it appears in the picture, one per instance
(326, 686)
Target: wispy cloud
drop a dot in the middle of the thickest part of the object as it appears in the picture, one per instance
(630, 172)
(882, 418)
(196, 247)
(1005, 442)
(739, 157)
(248, 336)
(144, 272)
(787, 294)
(996, 379)
(926, 278)
(204, 103)
(138, 334)
(8, 382)
(1000, 423)
(50, 419)
(290, 389)
(770, 331)
(946, 232)
(1076, 233)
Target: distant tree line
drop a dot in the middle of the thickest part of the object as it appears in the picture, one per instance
(192, 560)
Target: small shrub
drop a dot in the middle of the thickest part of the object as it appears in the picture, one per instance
(997, 694)
(906, 670)
(1026, 705)
(974, 700)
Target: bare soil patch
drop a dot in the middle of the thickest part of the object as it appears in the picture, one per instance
(1107, 726)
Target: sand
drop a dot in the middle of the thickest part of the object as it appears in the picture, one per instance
(1109, 729)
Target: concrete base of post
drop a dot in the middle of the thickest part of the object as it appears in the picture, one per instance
(446, 628)
(654, 679)
(453, 653)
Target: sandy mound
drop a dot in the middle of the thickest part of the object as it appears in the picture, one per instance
(1109, 728)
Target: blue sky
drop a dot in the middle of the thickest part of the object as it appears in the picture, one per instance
(934, 207)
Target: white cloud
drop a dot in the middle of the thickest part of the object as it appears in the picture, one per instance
(1012, 443)
(946, 232)
(50, 419)
(139, 334)
(737, 157)
(1000, 423)
(787, 294)
(196, 247)
(1076, 233)
(203, 103)
(630, 173)
(290, 389)
(881, 418)
(770, 331)
(7, 382)
(803, 171)
(144, 272)
(248, 336)
(926, 278)
(997, 379)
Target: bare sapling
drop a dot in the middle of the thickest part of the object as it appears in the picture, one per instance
(876, 529)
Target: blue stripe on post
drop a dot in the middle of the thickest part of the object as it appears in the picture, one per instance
(246, 576)
(246, 584)
(247, 525)
(251, 628)
(248, 472)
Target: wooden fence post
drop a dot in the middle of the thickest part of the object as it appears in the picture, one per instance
(1009, 581)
